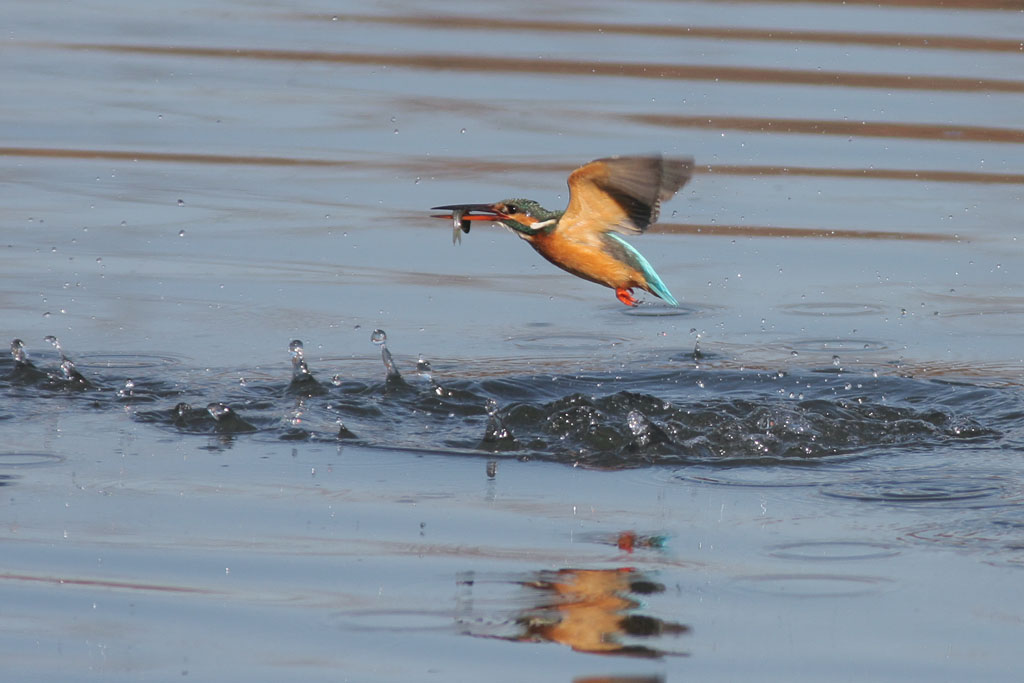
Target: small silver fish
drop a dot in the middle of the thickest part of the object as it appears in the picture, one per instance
(461, 225)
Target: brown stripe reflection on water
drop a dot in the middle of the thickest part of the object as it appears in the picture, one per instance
(490, 64)
(933, 42)
(469, 167)
(461, 167)
(872, 129)
(778, 231)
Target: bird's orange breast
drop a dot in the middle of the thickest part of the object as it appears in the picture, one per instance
(587, 260)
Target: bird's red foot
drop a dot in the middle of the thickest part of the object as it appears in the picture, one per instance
(625, 296)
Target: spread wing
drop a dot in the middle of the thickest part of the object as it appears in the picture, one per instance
(621, 194)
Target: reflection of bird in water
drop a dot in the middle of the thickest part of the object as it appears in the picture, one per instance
(606, 197)
(589, 611)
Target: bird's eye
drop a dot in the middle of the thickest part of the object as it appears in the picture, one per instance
(511, 208)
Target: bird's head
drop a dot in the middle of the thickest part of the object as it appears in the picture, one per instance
(525, 216)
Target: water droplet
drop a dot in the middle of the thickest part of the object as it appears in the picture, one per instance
(379, 337)
(46, 314)
(181, 202)
(422, 365)
(336, 380)
(462, 131)
(181, 233)
(835, 361)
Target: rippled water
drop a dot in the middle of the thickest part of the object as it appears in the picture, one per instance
(682, 416)
(472, 464)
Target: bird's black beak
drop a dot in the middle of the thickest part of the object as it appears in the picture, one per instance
(485, 212)
(462, 214)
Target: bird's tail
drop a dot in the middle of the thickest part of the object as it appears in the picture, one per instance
(654, 283)
(659, 288)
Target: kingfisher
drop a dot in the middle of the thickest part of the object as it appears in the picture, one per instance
(607, 198)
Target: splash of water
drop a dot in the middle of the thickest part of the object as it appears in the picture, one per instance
(128, 390)
(343, 431)
(219, 411)
(303, 381)
(19, 353)
(645, 433)
(297, 415)
(299, 366)
(380, 337)
(69, 373)
(496, 432)
(228, 421)
(24, 369)
(426, 373)
(181, 413)
(51, 339)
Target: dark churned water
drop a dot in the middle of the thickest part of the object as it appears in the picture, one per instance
(685, 416)
(813, 469)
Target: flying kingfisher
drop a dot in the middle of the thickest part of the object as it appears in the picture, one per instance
(606, 197)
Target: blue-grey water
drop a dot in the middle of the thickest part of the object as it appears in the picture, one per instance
(213, 469)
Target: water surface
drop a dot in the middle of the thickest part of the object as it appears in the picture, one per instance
(810, 470)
